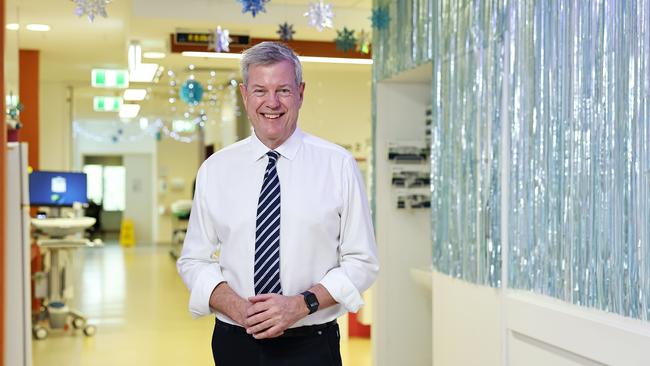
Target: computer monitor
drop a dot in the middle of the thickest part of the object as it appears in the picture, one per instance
(47, 188)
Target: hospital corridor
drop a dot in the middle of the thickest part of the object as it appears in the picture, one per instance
(139, 304)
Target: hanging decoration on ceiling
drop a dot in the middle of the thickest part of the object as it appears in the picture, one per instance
(253, 6)
(220, 40)
(191, 92)
(320, 15)
(345, 40)
(380, 17)
(91, 8)
(286, 32)
(363, 42)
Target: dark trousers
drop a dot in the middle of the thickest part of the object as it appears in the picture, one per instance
(316, 345)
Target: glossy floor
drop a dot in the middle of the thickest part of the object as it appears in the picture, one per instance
(139, 305)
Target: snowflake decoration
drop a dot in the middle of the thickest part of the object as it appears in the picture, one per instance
(220, 41)
(363, 42)
(254, 6)
(345, 40)
(286, 32)
(380, 17)
(91, 8)
(320, 15)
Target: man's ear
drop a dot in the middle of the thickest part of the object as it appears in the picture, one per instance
(242, 90)
(302, 91)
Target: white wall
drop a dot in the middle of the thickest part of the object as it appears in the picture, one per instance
(139, 195)
(55, 128)
(177, 161)
(402, 312)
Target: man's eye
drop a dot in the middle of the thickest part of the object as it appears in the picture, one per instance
(285, 91)
(258, 92)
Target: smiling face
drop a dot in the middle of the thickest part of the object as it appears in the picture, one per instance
(272, 100)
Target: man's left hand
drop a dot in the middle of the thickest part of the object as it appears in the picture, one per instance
(271, 314)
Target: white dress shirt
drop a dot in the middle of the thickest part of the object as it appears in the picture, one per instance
(326, 234)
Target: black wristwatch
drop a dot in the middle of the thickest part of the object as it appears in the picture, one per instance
(311, 300)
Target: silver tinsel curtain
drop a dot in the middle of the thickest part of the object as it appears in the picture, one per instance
(467, 108)
(407, 41)
(570, 81)
(579, 179)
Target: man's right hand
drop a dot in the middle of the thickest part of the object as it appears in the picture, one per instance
(224, 300)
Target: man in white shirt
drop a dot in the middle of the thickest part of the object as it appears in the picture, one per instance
(280, 241)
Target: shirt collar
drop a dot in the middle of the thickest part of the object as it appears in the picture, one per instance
(288, 149)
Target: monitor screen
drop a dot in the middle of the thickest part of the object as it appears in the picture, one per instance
(56, 188)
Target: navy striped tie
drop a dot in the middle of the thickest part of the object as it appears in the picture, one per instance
(267, 232)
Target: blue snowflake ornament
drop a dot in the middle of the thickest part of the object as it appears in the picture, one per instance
(253, 6)
(286, 32)
(345, 40)
(380, 17)
(320, 15)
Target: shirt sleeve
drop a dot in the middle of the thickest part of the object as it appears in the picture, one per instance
(358, 263)
(198, 268)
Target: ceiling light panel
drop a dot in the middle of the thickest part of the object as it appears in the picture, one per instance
(154, 55)
(135, 94)
(37, 27)
(129, 110)
(145, 73)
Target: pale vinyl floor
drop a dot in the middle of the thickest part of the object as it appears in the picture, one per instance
(139, 304)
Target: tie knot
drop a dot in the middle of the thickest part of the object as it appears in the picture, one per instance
(273, 156)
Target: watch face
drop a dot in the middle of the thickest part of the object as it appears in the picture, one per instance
(312, 301)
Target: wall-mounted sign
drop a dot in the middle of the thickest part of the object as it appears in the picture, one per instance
(109, 78)
(201, 40)
(107, 104)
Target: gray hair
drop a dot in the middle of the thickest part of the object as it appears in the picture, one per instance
(269, 53)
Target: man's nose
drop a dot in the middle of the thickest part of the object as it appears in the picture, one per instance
(272, 100)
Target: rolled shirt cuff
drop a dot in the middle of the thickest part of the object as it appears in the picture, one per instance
(342, 290)
(208, 279)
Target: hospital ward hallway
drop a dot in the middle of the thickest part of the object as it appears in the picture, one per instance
(139, 304)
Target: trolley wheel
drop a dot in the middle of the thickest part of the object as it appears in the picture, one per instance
(39, 333)
(78, 323)
(90, 330)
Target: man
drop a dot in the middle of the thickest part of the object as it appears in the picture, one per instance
(289, 215)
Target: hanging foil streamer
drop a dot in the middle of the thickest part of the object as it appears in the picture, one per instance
(576, 78)
(580, 178)
(466, 124)
(407, 39)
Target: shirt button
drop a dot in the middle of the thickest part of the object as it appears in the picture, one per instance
(320, 332)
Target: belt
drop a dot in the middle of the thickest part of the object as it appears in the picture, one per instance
(304, 331)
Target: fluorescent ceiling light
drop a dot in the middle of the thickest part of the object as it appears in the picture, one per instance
(134, 57)
(13, 26)
(156, 55)
(144, 73)
(38, 27)
(135, 94)
(129, 110)
(330, 60)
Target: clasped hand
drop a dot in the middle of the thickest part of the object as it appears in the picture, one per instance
(269, 315)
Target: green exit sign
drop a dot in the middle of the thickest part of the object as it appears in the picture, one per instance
(107, 104)
(109, 78)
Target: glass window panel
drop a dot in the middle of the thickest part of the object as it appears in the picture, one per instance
(114, 188)
(94, 182)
